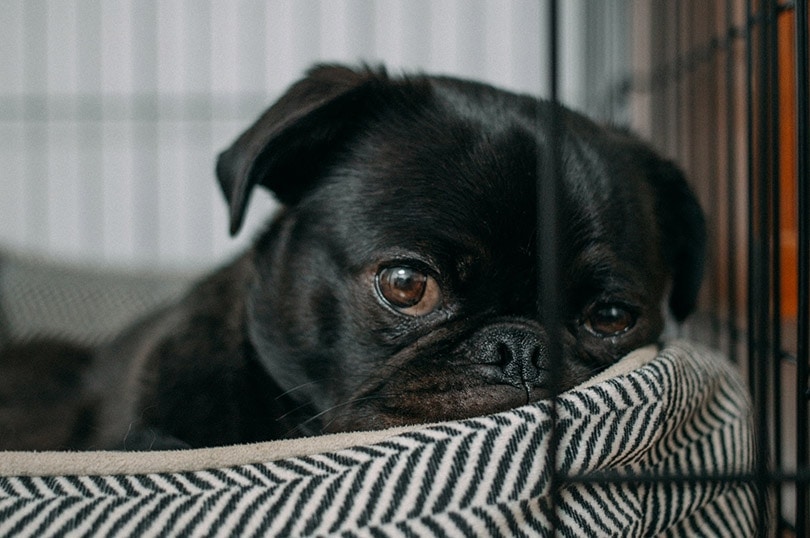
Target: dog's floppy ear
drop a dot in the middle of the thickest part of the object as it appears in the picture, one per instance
(289, 141)
(683, 233)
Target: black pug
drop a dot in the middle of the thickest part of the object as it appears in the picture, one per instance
(398, 284)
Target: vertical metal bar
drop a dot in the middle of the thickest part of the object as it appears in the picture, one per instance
(803, 337)
(678, 74)
(731, 184)
(648, 83)
(750, 228)
(757, 258)
(549, 174)
(771, 44)
(714, 161)
(657, 97)
(762, 252)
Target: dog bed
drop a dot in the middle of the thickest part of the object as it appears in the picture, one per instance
(40, 297)
(650, 447)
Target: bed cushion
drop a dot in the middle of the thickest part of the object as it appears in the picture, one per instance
(681, 412)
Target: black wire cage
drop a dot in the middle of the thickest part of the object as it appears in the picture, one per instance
(723, 88)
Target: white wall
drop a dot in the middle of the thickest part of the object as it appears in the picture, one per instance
(112, 112)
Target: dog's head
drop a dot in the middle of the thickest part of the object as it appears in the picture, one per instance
(399, 283)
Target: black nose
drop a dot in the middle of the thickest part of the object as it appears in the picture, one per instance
(518, 350)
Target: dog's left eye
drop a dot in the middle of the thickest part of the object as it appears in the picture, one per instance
(609, 320)
(408, 290)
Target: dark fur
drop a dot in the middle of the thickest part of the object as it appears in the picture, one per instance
(433, 173)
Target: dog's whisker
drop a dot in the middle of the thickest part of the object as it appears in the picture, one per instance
(305, 405)
(292, 411)
(297, 388)
(333, 408)
(315, 382)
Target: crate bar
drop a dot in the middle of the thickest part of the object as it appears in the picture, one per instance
(758, 238)
(654, 79)
(711, 81)
(751, 200)
(679, 76)
(803, 321)
(749, 127)
(548, 178)
(770, 43)
(764, 294)
(731, 182)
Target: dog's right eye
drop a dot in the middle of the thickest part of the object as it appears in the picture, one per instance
(408, 290)
(609, 320)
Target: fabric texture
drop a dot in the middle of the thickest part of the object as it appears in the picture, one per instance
(663, 449)
(41, 297)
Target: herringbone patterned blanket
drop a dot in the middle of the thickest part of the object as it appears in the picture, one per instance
(662, 446)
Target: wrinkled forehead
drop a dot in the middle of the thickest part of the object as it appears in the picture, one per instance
(461, 184)
(434, 180)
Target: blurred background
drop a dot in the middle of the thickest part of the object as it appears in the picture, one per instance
(112, 112)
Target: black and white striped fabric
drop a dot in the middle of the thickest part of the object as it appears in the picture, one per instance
(683, 417)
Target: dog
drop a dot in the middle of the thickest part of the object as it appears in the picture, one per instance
(398, 283)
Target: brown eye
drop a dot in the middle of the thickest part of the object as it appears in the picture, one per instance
(609, 320)
(408, 290)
